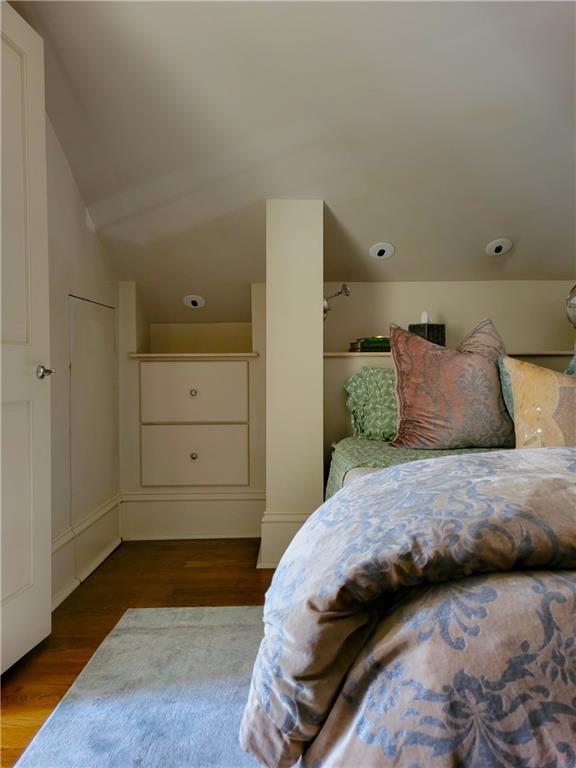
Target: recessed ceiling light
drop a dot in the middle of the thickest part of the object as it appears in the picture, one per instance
(382, 250)
(193, 301)
(499, 247)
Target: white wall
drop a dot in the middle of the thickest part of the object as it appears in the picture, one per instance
(529, 314)
(201, 337)
(93, 395)
(439, 126)
(78, 267)
(132, 337)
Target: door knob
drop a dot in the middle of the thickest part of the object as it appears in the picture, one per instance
(42, 372)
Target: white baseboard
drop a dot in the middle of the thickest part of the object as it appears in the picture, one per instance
(278, 530)
(145, 517)
(260, 564)
(135, 496)
(64, 580)
(79, 550)
(61, 595)
(98, 559)
(149, 516)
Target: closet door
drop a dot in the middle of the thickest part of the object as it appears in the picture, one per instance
(93, 422)
(26, 513)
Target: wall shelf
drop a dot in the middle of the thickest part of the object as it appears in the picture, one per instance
(561, 353)
(357, 354)
(168, 356)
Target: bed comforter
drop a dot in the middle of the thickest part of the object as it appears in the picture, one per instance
(426, 616)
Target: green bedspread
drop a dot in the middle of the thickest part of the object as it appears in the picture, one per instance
(352, 452)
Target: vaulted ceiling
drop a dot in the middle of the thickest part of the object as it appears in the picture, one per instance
(437, 125)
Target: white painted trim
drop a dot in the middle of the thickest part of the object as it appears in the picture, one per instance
(98, 560)
(285, 517)
(74, 530)
(180, 356)
(357, 354)
(136, 496)
(62, 539)
(98, 513)
(59, 597)
(173, 526)
(562, 353)
(73, 573)
(260, 564)
(83, 574)
(198, 536)
(191, 516)
(277, 532)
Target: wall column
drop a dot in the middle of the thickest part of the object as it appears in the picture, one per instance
(294, 370)
(132, 337)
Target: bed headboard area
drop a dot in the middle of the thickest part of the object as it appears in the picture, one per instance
(529, 315)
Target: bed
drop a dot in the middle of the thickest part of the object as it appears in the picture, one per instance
(354, 457)
(425, 617)
(371, 399)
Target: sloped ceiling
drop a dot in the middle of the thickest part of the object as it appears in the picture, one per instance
(438, 126)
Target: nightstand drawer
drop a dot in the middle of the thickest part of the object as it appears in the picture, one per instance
(182, 392)
(181, 454)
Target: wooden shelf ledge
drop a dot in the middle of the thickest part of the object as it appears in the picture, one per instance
(561, 353)
(357, 354)
(168, 356)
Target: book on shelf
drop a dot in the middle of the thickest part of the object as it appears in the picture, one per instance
(371, 344)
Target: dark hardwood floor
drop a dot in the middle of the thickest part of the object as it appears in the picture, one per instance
(148, 574)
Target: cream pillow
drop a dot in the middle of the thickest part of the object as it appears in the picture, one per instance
(544, 405)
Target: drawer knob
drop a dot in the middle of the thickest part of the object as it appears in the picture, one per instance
(193, 456)
(193, 392)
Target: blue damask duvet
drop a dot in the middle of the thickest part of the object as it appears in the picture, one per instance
(426, 616)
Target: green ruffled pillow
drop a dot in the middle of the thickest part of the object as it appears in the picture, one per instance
(372, 403)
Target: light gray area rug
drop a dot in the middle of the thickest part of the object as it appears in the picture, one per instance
(166, 689)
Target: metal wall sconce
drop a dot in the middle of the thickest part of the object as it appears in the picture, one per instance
(344, 290)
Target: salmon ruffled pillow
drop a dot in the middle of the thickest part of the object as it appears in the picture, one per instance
(450, 398)
(543, 403)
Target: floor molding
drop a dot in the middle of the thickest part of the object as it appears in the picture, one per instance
(60, 596)
(81, 548)
(98, 513)
(150, 517)
(197, 537)
(98, 559)
(138, 496)
(62, 539)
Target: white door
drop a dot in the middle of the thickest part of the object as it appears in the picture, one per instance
(25, 518)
